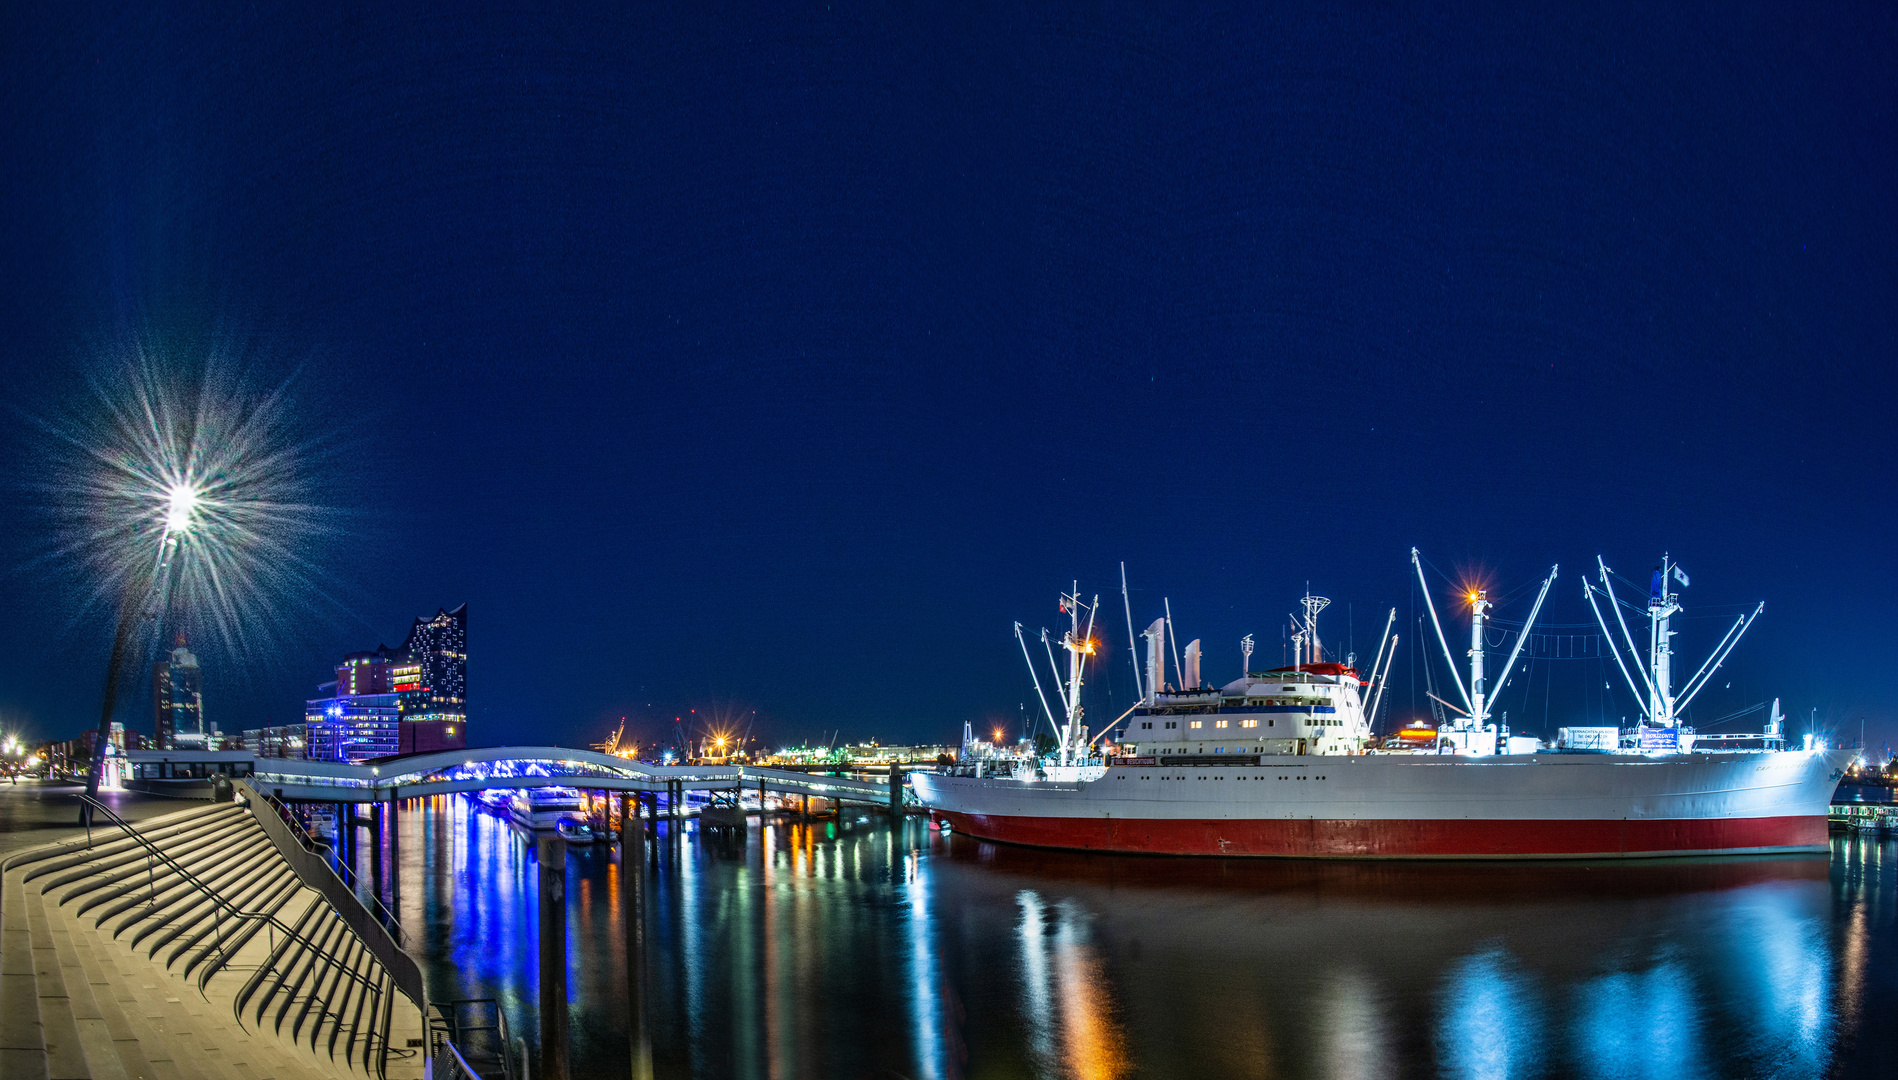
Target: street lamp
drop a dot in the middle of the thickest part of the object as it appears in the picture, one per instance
(181, 499)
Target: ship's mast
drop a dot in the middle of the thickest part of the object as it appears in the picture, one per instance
(1080, 646)
(1663, 601)
(1479, 603)
(1306, 648)
(1478, 697)
(1662, 707)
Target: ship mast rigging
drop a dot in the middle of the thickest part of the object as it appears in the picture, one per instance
(1654, 694)
(1477, 701)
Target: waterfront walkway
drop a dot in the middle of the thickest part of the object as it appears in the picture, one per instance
(193, 949)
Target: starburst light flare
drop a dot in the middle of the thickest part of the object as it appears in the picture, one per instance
(187, 496)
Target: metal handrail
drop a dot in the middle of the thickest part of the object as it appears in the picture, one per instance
(218, 901)
(449, 1064)
(317, 873)
(447, 1026)
(153, 850)
(343, 870)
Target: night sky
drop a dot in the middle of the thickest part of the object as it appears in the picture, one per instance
(778, 360)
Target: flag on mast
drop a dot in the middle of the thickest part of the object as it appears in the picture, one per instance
(1680, 575)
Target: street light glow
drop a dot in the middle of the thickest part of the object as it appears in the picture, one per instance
(183, 489)
(181, 502)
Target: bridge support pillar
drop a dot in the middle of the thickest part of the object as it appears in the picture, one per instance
(896, 791)
(375, 848)
(805, 810)
(551, 852)
(632, 868)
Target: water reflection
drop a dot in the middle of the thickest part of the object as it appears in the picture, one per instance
(819, 949)
(1491, 1020)
(1359, 1046)
(1639, 1024)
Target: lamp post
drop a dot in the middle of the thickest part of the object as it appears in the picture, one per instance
(181, 504)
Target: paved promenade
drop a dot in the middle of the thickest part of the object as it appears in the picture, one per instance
(38, 812)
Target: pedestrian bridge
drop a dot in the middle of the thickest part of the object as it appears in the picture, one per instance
(450, 772)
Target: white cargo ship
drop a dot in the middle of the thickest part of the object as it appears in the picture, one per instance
(1283, 763)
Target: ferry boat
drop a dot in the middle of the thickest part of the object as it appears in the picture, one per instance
(545, 807)
(1283, 763)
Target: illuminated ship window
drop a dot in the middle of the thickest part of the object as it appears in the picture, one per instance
(1217, 723)
(1194, 724)
(1248, 723)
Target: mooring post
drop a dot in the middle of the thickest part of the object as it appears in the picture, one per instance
(632, 868)
(395, 852)
(896, 790)
(551, 851)
(805, 811)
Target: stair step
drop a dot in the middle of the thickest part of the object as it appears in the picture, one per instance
(103, 986)
(65, 1055)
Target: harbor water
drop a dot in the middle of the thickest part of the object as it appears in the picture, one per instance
(858, 949)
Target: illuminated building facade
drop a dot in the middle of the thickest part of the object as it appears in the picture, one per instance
(178, 701)
(430, 669)
(354, 728)
(278, 741)
(364, 673)
(407, 700)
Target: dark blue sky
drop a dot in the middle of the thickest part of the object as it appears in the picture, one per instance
(779, 359)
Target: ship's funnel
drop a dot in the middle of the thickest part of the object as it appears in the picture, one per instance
(1189, 679)
(1156, 657)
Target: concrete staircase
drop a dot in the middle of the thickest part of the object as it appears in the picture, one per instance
(114, 965)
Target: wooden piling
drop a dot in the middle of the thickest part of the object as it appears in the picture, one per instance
(632, 868)
(551, 852)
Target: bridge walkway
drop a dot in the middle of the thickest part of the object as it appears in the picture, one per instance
(457, 771)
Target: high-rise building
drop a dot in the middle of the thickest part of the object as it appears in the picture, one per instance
(430, 669)
(407, 700)
(178, 701)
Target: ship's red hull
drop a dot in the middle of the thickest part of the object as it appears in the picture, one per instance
(1399, 839)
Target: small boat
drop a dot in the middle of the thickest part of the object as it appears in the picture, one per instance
(574, 831)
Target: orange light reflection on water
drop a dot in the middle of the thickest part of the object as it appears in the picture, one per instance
(1069, 1004)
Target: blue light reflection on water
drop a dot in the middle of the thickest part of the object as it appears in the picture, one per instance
(1490, 1020)
(803, 950)
(1639, 1025)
